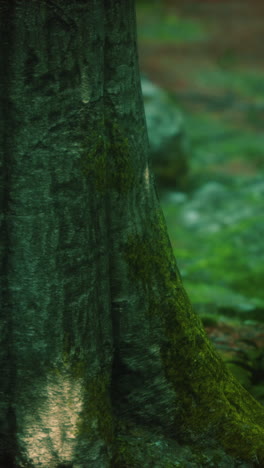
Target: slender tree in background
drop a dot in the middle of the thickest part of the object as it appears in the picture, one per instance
(97, 332)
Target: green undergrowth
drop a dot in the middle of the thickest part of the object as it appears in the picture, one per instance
(222, 268)
(171, 29)
(212, 404)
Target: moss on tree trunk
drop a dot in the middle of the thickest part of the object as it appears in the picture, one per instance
(99, 332)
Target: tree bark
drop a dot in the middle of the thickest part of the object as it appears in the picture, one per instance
(97, 331)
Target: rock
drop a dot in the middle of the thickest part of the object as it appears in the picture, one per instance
(169, 145)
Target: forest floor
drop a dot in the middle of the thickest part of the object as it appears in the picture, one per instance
(209, 57)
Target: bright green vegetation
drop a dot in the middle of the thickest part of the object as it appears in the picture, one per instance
(222, 267)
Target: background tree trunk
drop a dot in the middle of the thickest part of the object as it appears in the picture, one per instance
(98, 333)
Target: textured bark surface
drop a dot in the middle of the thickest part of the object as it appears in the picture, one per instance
(97, 332)
(55, 270)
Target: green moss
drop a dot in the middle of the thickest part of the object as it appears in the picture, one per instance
(94, 161)
(212, 405)
(106, 158)
(96, 418)
(121, 172)
(150, 254)
(123, 457)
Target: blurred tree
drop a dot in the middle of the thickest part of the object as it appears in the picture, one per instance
(97, 331)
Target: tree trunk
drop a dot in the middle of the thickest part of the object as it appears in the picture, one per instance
(97, 332)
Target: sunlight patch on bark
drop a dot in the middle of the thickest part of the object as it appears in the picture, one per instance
(147, 177)
(85, 88)
(49, 433)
